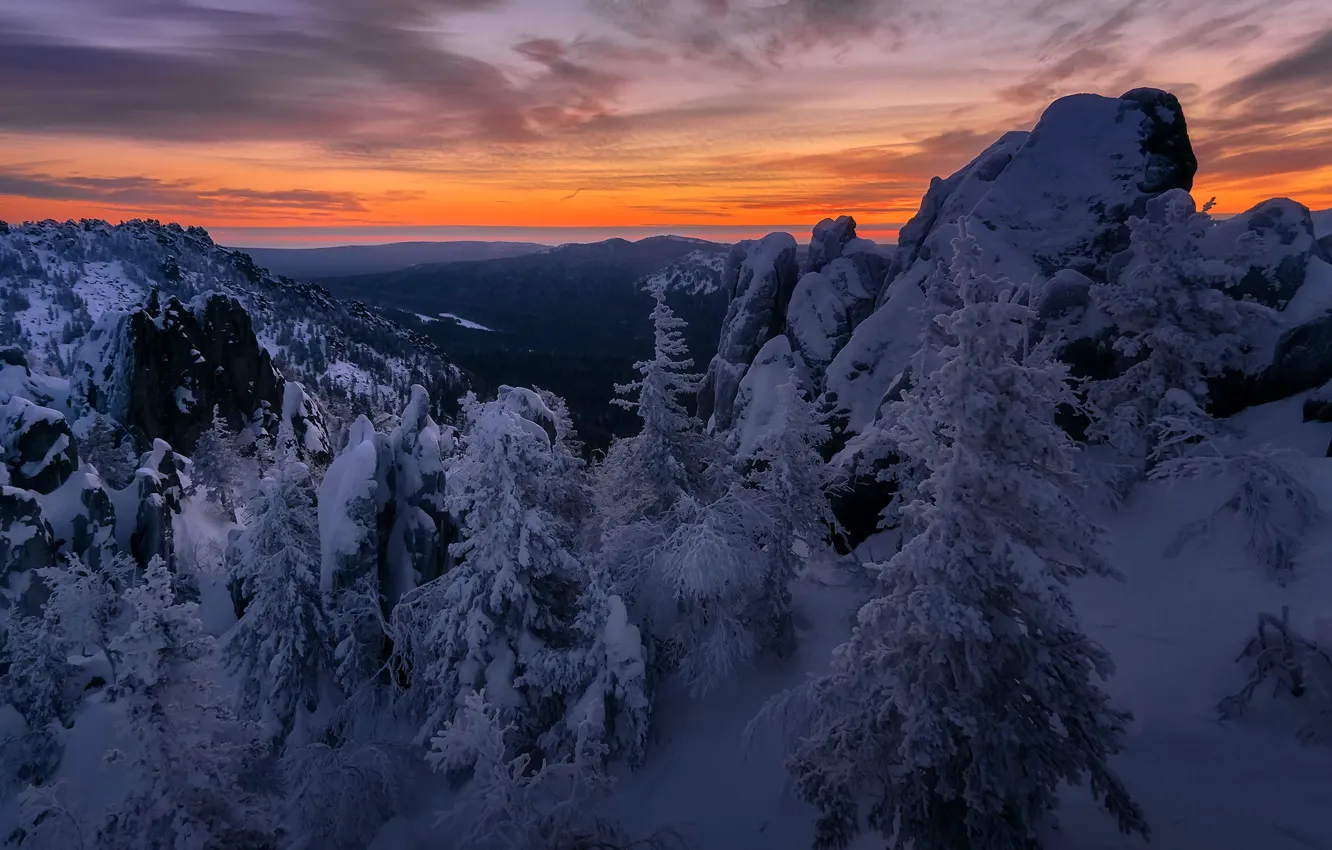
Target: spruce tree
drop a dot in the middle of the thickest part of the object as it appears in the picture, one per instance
(280, 646)
(216, 468)
(964, 698)
(188, 753)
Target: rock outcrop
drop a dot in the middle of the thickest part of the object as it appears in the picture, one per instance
(159, 491)
(26, 544)
(759, 279)
(36, 445)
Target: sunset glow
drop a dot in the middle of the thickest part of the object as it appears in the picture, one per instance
(337, 121)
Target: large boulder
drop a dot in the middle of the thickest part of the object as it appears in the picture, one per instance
(1060, 196)
(861, 375)
(757, 399)
(36, 445)
(759, 279)
(1277, 238)
(826, 308)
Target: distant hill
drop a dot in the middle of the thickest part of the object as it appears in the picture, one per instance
(572, 319)
(310, 263)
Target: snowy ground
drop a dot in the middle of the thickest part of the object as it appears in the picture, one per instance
(1174, 627)
(465, 323)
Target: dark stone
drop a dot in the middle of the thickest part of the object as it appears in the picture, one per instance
(182, 365)
(160, 491)
(1171, 162)
(1280, 236)
(1302, 361)
(12, 355)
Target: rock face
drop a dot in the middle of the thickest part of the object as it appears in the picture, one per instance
(757, 397)
(759, 279)
(160, 369)
(36, 445)
(1279, 240)
(26, 544)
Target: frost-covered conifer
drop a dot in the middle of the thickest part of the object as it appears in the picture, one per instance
(187, 753)
(508, 803)
(643, 476)
(35, 656)
(85, 604)
(216, 470)
(1175, 326)
(1273, 507)
(280, 646)
(516, 584)
(964, 698)
(787, 475)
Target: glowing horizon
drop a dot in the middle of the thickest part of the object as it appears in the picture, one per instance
(301, 123)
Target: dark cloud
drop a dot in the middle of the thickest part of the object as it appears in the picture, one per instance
(361, 75)
(1308, 68)
(137, 193)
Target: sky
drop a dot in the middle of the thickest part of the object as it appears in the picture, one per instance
(301, 122)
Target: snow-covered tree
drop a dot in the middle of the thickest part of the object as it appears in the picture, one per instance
(964, 698)
(217, 468)
(603, 677)
(1300, 668)
(187, 753)
(1175, 326)
(788, 474)
(509, 803)
(643, 476)
(280, 646)
(37, 672)
(516, 584)
(85, 604)
(339, 797)
(1273, 507)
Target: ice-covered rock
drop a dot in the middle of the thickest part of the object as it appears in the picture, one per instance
(759, 279)
(36, 445)
(26, 544)
(1280, 243)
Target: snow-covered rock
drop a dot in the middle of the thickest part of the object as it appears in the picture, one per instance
(26, 544)
(36, 445)
(829, 239)
(828, 305)
(876, 355)
(302, 414)
(82, 515)
(1281, 242)
(756, 400)
(1059, 196)
(159, 491)
(759, 279)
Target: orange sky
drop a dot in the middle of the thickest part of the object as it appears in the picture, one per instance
(270, 123)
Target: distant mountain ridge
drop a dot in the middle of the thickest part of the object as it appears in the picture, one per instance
(340, 260)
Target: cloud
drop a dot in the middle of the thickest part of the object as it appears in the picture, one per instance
(360, 75)
(148, 193)
(1301, 71)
